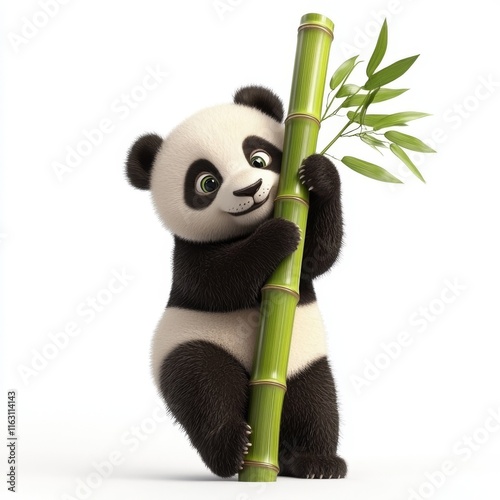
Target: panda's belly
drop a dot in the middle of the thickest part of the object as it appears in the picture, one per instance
(236, 333)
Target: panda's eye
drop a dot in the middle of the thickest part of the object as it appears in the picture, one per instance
(206, 184)
(260, 159)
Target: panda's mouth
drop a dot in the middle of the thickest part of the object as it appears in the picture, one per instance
(255, 206)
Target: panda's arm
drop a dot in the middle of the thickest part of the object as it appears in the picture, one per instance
(228, 276)
(324, 224)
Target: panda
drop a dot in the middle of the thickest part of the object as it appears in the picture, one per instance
(213, 181)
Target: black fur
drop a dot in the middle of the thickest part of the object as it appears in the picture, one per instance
(262, 99)
(227, 276)
(310, 425)
(140, 160)
(324, 230)
(206, 391)
(253, 143)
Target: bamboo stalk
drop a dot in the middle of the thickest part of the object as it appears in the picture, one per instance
(280, 295)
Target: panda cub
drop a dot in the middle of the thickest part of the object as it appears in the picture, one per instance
(213, 181)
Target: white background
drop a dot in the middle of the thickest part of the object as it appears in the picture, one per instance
(63, 238)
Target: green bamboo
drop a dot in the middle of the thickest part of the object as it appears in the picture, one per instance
(281, 293)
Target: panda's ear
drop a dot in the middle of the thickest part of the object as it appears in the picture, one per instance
(262, 99)
(140, 160)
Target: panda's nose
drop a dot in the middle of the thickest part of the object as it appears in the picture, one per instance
(249, 190)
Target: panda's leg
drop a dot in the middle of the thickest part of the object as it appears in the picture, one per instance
(310, 425)
(206, 390)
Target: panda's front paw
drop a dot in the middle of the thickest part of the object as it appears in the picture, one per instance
(319, 175)
(278, 237)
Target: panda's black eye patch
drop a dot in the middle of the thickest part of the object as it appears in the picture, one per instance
(201, 184)
(271, 159)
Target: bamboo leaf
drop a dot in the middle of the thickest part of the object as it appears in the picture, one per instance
(372, 141)
(408, 142)
(390, 73)
(397, 119)
(379, 51)
(342, 72)
(369, 120)
(347, 90)
(369, 99)
(382, 95)
(406, 160)
(369, 169)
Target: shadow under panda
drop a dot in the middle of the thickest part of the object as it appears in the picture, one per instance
(213, 181)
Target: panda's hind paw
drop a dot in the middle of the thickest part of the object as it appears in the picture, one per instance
(311, 466)
(228, 448)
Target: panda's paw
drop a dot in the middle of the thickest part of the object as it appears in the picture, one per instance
(319, 175)
(311, 466)
(278, 236)
(228, 449)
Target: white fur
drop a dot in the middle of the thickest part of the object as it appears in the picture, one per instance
(236, 332)
(215, 134)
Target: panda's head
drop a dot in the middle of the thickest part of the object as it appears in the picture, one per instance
(215, 176)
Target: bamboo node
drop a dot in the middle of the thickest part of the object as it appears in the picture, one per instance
(291, 116)
(254, 463)
(265, 381)
(316, 26)
(291, 197)
(281, 288)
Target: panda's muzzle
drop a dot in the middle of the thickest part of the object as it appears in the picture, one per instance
(250, 192)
